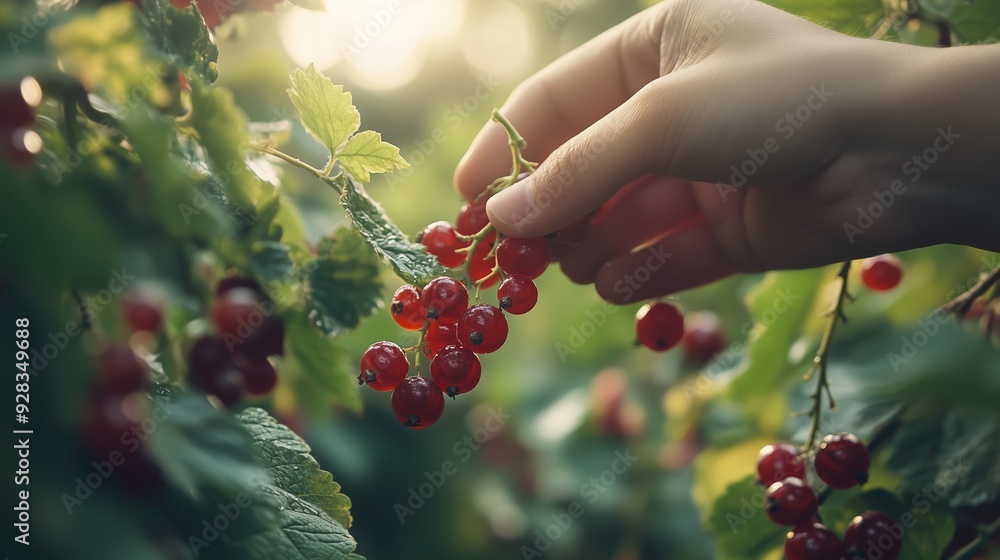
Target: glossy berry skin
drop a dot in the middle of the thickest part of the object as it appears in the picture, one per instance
(441, 240)
(407, 309)
(703, 337)
(383, 366)
(259, 377)
(659, 326)
(121, 371)
(472, 217)
(417, 402)
(456, 370)
(779, 461)
(881, 273)
(791, 502)
(483, 263)
(517, 295)
(226, 385)
(483, 329)
(813, 542)
(842, 461)
(527, 257)
(445, 299)
(249, 324)
(438, 336)
(208, 356)
(873, 535)
(143, 310)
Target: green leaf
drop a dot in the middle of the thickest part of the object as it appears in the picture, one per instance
(343, 284)
(320, 362)
(200, 448)
(183, 35)
(314, 5)
(366, 153)
(287, 460)
(971, 22)
(410, 261)
(326, 110)
(270, 260)
(855, 17)
(783, 304)
(741, 527)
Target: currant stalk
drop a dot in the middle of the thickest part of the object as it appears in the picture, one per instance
(836, 315)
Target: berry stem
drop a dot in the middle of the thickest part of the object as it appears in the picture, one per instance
(986, 534)
(321, 173)
(836, 316)
(961, 305)
(517, 143)
(417, 349)
(470, 253)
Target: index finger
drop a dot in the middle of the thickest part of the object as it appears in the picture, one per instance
(566, 97)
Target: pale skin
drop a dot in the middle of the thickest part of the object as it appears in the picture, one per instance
(649, 119)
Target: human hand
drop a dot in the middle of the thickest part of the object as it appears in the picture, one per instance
(727, 136)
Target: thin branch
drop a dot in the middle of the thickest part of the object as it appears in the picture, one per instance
(961, 305)
(986, 534)
(836, 316)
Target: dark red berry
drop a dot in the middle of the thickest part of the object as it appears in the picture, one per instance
(791, 502)
(208, 356)
(121, 371)
(259, 377)
(445, 299)
(659, 325)
(456, 370)
(812, 542)
(779, 461)
(527, 257)
(483, 329)
(18, 101)
(417, 402)
(226, 385)
(483, 263)
(517, 295)
(248, 324)
(873, 535)
(143, 310)
(407, 309)
(438, 336)
(383, 366)
(442, 241)
(881, 273)
(842, 461)
(472, 218)
(110, 418)
(703, 337)
(233, 282)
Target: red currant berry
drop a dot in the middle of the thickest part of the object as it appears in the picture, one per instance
(517, 294)
(109, 419)
(483, 329)
(226, 385)
(483, 263)
(703, 337)
(813, 542)
(438, 336)
(445, 299)
(248, 324)
(472, 218)
(873, 535)
(417, 402)
(208, 356)
(791, 502)
(881, 273)
(442, 241)
(233, 282)
(456, 370)
(779, 461)
(659, 325)
(121, 371)
(842, 461)
(143, 310)
(259, 377)
(527, 257)
(383, 366)
(406, 308)
(19, 104)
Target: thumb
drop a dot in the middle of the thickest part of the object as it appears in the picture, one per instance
(588, 169)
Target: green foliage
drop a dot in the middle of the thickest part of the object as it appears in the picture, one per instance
(343, 284)
(741, 527)
(854, 17)
(971, 22)
(182, 35)
(320, 365)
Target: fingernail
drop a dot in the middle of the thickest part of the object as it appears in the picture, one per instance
(512, 204)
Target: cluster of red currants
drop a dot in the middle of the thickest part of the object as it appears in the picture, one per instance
(452, 332)
(841, 462)
(660, 326)
(234, 360)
